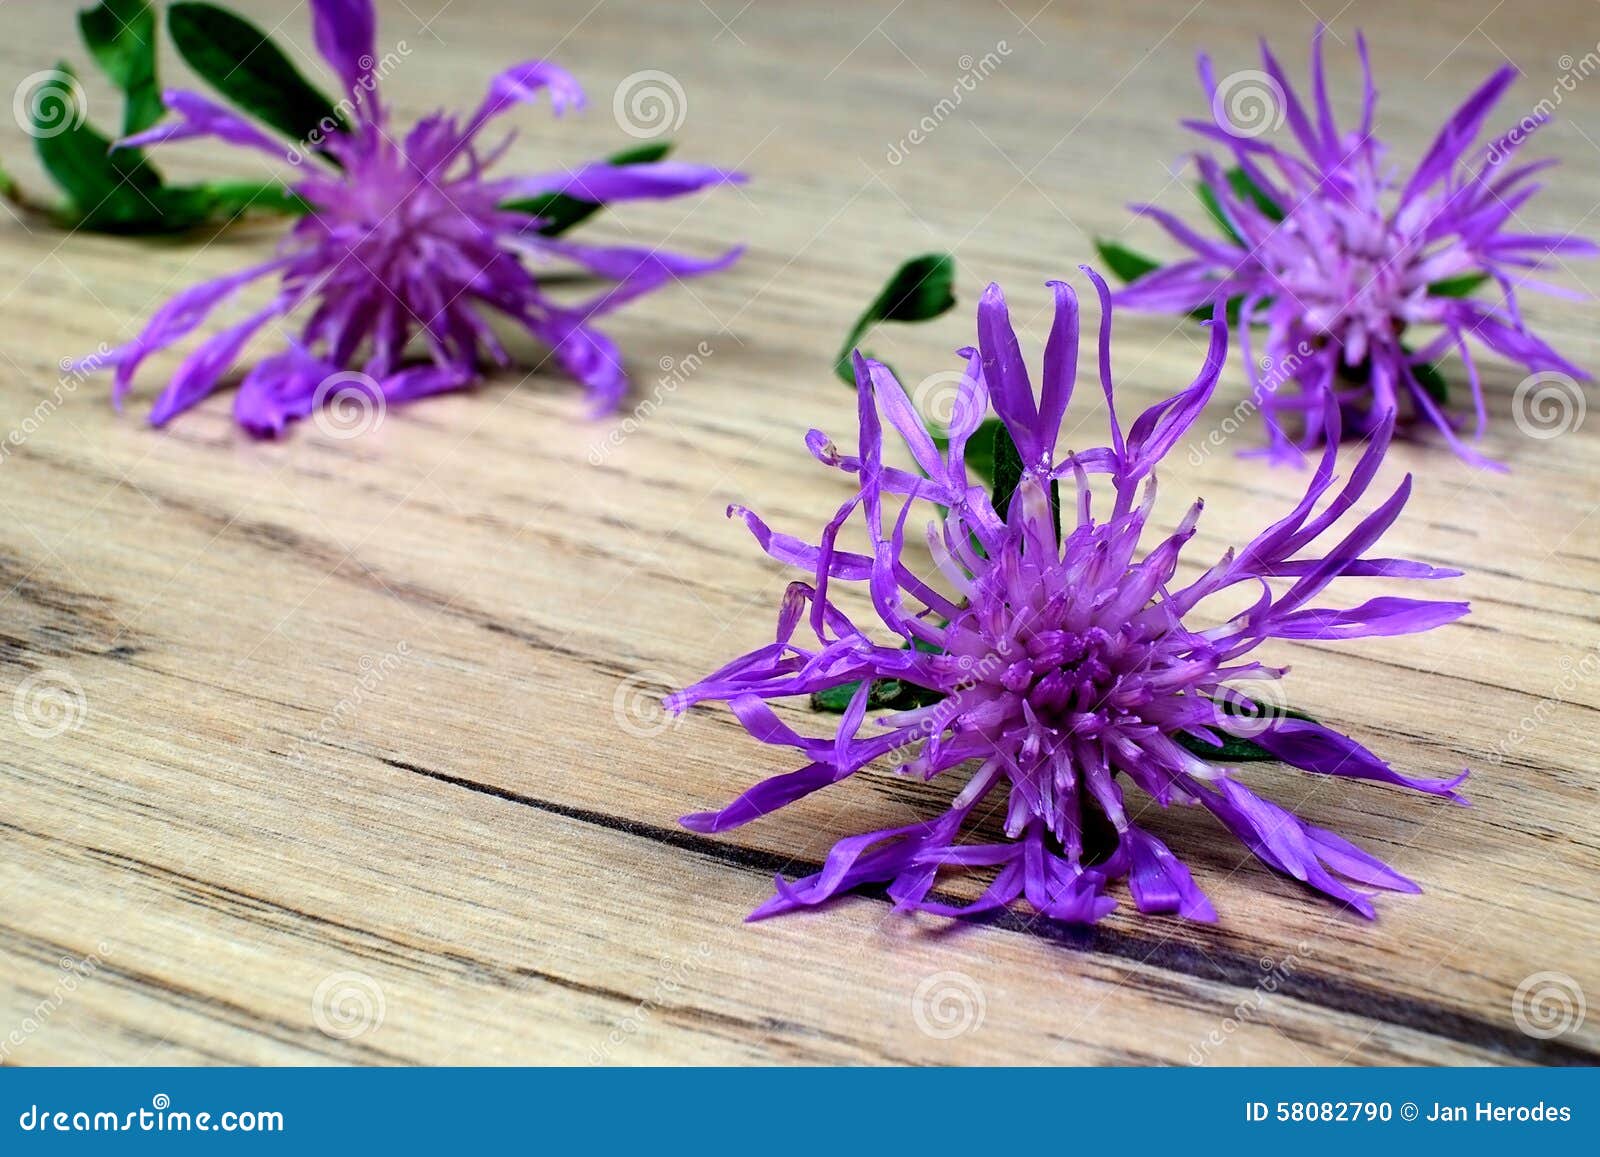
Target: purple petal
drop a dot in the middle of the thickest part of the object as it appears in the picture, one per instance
(1006, 375)
(1313, 747)
(201, 117)
(603, 182)
(202, 370)
(346, 34)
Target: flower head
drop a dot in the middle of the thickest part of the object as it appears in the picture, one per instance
(407, 246)
(1361, 278)
(1051, 664)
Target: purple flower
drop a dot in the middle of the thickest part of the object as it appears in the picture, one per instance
(1055, 671)
(1360, 281)
(408, 247)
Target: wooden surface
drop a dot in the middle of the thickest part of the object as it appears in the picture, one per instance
(359, 725)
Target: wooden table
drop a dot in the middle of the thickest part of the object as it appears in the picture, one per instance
(355, 767)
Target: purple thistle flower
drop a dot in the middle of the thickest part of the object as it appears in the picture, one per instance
(1059, 674)
(407, 237)
(1343, 264)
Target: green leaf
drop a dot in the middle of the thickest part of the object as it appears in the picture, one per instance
(886, 695)
(188, 206)
(1431, 380)
(1124, 262)
(121, 36)
(1244, 189)
(1232, 311)
(244, 65)
(980, 449)
(1243, 186)
(1208, 198)
(1007, 476)
(920, 290)
(1243, 705)
(560, 212)
(1008, 468)
(1457, 286)
(119, 191)
(112, 191)
(8, 187)
(1233, 749)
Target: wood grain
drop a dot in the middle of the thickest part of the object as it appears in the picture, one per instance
(355, 715)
